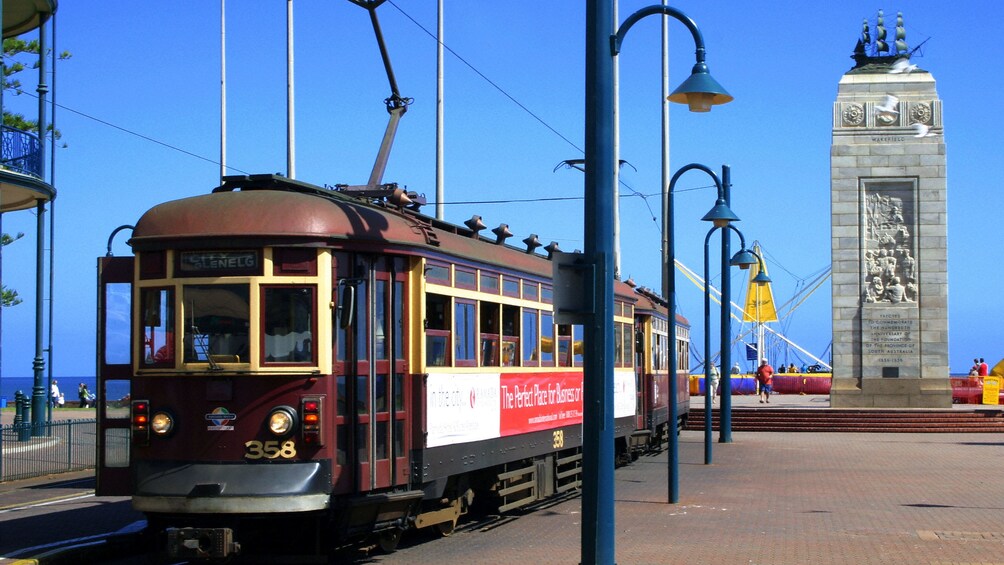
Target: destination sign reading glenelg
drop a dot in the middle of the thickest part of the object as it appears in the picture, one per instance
(219, 261)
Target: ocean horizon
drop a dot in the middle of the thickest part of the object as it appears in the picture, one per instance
(67, 386)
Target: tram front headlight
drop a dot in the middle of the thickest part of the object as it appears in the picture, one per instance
(281, 421)
(161, 423)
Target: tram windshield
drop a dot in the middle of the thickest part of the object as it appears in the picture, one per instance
(217, 318)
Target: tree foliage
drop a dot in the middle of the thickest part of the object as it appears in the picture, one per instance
(9, 297)
(13, 48)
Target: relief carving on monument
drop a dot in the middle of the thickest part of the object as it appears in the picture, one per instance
(890, 267)
(853, 115)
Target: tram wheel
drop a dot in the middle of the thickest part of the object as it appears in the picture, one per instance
(389, 539)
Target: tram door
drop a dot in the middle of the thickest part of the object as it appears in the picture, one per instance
(114, 373)
(373, 377)
(641, 385)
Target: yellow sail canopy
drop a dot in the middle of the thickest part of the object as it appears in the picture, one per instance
(759, 306)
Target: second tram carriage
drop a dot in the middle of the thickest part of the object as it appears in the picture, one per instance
(309, 366)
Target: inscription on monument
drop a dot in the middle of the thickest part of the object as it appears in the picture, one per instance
(891, 338)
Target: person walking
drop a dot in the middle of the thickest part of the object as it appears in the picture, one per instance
(712, 387)
(54, 394)
(85, 396)
(764, 376)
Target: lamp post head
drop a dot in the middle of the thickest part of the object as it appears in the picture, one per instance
(761, 278)
(700, 91)
(743, 259)
(721, 215)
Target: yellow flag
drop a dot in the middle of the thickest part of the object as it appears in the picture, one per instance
(759, 305)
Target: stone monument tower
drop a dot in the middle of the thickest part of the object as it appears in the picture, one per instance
(889, 230)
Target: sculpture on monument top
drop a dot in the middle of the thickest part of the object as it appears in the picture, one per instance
(874, 53)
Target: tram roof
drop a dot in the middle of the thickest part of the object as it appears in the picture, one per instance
(275, 217)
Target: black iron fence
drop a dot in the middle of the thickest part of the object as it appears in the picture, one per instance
(58, 447)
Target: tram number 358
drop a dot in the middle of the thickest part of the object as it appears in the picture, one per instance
(558, 438)
(255, 449)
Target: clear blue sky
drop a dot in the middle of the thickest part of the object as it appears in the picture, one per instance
(153, 68)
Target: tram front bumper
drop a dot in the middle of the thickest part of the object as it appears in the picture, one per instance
(203, 488)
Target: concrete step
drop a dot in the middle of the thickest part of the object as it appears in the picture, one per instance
(853, 420)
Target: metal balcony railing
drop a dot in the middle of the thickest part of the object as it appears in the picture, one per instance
(20, 151)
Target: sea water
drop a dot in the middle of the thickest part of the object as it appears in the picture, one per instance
(67, 385)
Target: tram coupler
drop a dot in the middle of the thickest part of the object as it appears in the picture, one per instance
(201, 543)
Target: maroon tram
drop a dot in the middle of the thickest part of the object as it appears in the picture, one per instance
(309, 366)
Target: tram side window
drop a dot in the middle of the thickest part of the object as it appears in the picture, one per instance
(510, 336)
(546, 339)
(531, 343)
(289, 324)
(578, 349)
(564, 345)
(437, 330)
(490, 313)
(658, 351)
(158, 327)
(464, 336)
(628, 344)
(216, 323)
(618, 344)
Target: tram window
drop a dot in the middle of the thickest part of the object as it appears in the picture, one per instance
(658, 349)
(380, 320)
(342, 440)
(118, 312)
(510, 287)
(578, 349)
(399, 320)
(465, 278)
(510, 336)
(436, 273)
(380, 449)
(627, 338)
(490, 313)
(114, 397)
(546, 294)
(564, 345)
(380, 393)
(361, 325)
(398, 438)
(530, 338)
(546, 339)
(490, 283)
(289, 324)
(398, 392)
(216, 322)
(362, 442)
(618, 344)
(158, 327)
(362, 394)
(464, 349)
(340, 405)
(531, 290)
(437, 330)
(116, 447)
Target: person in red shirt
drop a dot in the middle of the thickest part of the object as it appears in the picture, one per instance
(984, 369)
(763, 376)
